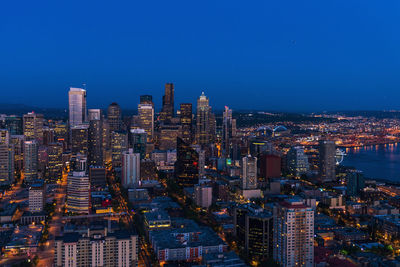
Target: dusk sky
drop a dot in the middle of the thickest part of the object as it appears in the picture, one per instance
(285, 55)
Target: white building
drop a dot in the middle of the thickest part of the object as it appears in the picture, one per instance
(77, 106)
(130, 168)
(78, 191)
(37, 197)
(293, 234)
(249, 172)
(203, 196)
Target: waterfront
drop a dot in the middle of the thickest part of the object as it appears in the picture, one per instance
(378, 162)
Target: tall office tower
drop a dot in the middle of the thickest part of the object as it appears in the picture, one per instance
(77, 106)
(254, 231)
(270, 166)
(355, 182)
(43, 159)
(203, 195)
(146, 119)
(94, 114)
(186, 165)
(48, 136)
(37, 196)
(146, 99)
(79, 139)
(106, 136)
(130, 169)
(297, 161)
(212, 121)
(6, 158)
(78, 190)
(114, 117)
(249, 172)
(228, 131)
(294, 234)
(167, 111)
(61, 132)
(186, 122)
(78, 163)
(97, 176)
(14, 124)
(17, 142)
(327, 160)
(31, 160)
(96, 248)
(33, 126)
(95, 143)
(168, 135)
(203, 121)
(55, 164)
(119, 144)
(137, 141)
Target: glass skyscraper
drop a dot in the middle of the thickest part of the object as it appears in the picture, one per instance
(77, 106)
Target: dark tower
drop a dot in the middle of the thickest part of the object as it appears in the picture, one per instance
(186, 165)
(167, 111)
(186, 122)
(114, 117)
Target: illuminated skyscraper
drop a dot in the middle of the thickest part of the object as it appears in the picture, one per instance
(203, 121)
(186, 122)
(6, 158)
(130, 169)
(137, 141)
(77, 106)
(297, 161)
(78, 190)
(146, 119)
(228, 131)
(33, 126)
(249, 172)
(31, 160)
(168, 135)
(55, 163)
(167, 112)
(327, 160)
(114, 117)
(293, 234)
(95, 142)
(14, 124)
(119, 144)
(186, 165)
(79, 139)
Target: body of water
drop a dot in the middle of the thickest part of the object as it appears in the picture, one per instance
(379, 162)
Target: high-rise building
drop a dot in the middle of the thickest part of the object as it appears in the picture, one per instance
(14, 124)
(119, 144)
(254, 231)
(130, 169)
(55, 164)
(355, 182)
(6, 158)
(203, 195)
(95, 142)
(168, 134)
(96, 248)
(33, 126)
(249, 172)
(297, 161)
(97, 176)
(186, 165)
(186, 122)
(94, 114)
(270, 166)
(203, 121)
(48, 135)
(78, 192)
(138, 141)
(327, 160)
(77, 106)
(114, 117)
(146, 119)
(79, 139)
(37, 196)
(167, 112)
(293, 234)
(17, 142)
(228, 131)
(31, 160)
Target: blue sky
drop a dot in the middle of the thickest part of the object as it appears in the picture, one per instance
(272, 55)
